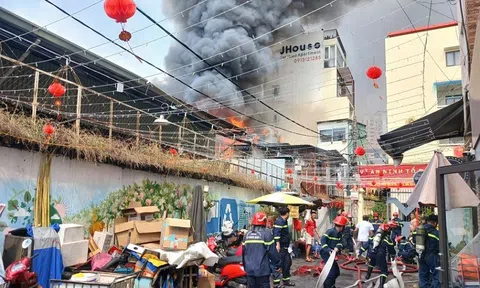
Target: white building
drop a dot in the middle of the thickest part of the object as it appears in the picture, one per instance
(311, 84)
(376, 126)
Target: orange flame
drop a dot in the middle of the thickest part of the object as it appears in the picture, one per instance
(237, 122)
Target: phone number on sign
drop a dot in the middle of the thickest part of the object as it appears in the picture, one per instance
(306, 59)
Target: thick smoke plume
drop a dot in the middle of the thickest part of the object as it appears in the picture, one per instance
(218, 33)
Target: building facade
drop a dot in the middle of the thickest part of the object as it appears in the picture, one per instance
(420, 83)
(376, 125)
(343, 136)
(312, 83)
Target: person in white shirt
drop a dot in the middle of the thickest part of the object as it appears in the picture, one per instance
(364, 230)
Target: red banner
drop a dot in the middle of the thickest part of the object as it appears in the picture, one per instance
(388, 176)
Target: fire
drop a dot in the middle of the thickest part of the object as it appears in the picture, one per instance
(237, 122)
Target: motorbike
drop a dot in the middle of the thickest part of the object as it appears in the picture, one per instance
(18, 274)
(229, 270)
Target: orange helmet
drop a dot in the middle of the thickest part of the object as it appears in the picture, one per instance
(259, 219)
(395, 214)
(340, 221)
(399, 238)
(375, 214)
(385, 227)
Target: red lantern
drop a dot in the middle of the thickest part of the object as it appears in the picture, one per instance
(315, 178)
(374, 183)
(125, 36)
(458, 151)
(252, 171)
(58, 103)
(48, 129)
(290, 180)
(120, 10)
(289, 171)
(173, 151)
(56, 89)
(374, 72)
(360, 151)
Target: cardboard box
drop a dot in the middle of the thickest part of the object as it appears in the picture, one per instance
(140, 231)
(104, 240)
(175, 234)
(207, 279)
(71, 233)
(74, 253)
(140, 213)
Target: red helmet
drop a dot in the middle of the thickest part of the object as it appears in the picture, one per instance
(344, 214)
(399, 238)
(340, 221)
(395, 214)
(375, 214)
(385, 227)
(392, 224)
(259, 219)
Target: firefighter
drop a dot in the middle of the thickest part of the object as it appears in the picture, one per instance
(259, 253)
(380, 248)
(376, 222)
(348, 233)
(429, 258)
(397, 231)
(332, 240)
(282, 240)
(406, 249)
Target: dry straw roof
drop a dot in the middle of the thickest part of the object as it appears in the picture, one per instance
(19, 130)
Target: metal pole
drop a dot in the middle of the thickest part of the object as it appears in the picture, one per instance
(35, 96)
(442, 222)
(79, 112)
(110, 123)
(137, 128)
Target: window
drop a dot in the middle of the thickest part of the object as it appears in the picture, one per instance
(339, 134)
(330, 56)
(452, 58)
(449, 93)
(276, 91)
(450, 99)
(326, 135)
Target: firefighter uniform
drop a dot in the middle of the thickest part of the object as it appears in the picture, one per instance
(330, 240)
(406, 250)
(282, 236)
(348, 235)
(376, 224)
(398, 230)
(378, 256)
(259, 253)
(365, 246)
(429, 260)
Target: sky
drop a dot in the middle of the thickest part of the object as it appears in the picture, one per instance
(362, 32)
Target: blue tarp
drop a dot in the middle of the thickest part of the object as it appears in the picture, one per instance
(48, 262)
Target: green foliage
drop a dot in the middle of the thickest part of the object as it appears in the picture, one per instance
(21, 199)
(168, 197)
(380, 208)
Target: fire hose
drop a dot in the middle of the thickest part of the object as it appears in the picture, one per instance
(397, 282)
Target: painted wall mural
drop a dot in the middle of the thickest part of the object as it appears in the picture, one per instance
(91, 194)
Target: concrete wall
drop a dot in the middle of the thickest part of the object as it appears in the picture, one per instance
(406, 99)
(75, 185)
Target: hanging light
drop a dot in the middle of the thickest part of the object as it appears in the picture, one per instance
(161, 121)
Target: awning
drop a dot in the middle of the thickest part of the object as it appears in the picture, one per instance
(445, 123)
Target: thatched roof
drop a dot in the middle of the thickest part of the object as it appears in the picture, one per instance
(19, 131)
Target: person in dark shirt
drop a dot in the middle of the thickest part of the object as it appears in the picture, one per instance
(429, 259)
(282, 240)
(376, 222)
(259, 253)
(348, 234)
(333, 240)
(406, 250)
(397, 231)
(378, 254)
